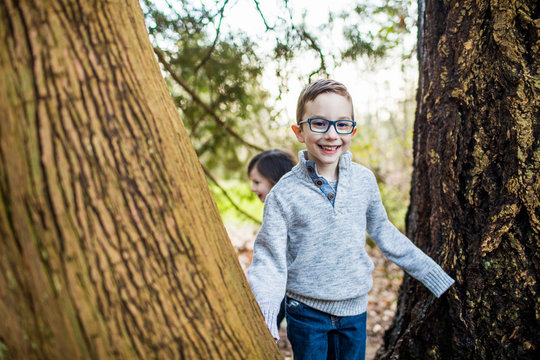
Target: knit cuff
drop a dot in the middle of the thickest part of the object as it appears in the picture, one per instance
(437, 281)
(270, 314)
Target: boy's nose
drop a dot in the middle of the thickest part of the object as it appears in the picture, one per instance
(331, 133)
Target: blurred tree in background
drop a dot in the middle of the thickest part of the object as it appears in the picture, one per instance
(216, 69)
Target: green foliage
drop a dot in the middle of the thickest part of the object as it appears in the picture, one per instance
(3, 350)
(241, 193)
(384, 147)
(227, 84)
(224, 73)
(387, 26)
(396, 203)
(395, 196)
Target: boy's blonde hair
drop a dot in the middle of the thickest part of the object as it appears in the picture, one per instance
(316, 88)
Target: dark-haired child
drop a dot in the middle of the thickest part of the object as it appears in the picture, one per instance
(264, 171)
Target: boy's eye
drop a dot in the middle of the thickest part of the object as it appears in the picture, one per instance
(319, 123)
(342, 125)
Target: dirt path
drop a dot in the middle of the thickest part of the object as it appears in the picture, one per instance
(382, 298)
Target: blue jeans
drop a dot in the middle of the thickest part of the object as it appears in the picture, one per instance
(316, 335)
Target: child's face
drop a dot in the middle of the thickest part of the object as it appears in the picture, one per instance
(325, 149)
(260, 185)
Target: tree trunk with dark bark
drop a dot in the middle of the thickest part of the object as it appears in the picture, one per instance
(111, 244)
(475, 198)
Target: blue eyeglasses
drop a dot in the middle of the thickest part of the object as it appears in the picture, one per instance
(321, 125)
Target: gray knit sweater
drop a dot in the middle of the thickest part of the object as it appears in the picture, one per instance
(311, 245)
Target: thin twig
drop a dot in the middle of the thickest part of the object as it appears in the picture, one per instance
(304, 35)
(231, 201)
(262, 16)
(212, 48)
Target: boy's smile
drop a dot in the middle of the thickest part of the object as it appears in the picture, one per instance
(325, 149)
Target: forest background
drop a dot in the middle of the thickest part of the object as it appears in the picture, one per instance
(235, 69)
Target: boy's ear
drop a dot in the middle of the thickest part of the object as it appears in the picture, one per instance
(297, 130)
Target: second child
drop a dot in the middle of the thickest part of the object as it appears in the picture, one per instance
(264, 171)
(266, 168)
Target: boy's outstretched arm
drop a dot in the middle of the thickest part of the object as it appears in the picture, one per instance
(267, 274)
(400, 250)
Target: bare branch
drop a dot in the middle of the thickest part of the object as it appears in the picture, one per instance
(202, 104)
(305, 36)
(211, 50)
(268, 27)
(313, 44)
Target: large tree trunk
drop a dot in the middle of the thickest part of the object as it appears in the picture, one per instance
(111, 245)
(475, 198)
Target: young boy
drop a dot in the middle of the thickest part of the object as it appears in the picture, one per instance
(311, 246)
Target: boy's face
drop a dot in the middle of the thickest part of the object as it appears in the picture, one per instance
(325, 149)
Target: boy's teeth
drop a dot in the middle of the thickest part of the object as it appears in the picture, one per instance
(329, 147)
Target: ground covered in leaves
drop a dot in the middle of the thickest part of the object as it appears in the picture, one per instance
(382, 298)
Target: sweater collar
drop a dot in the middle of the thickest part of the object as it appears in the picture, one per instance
(304, 163)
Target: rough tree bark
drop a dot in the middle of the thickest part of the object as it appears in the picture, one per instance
(475, 203)
(111, 244)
